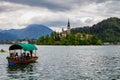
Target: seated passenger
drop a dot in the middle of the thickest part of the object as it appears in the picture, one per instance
(11, 54)
(16, 56)
(21, 57)
(28, 56)
(24, 54)
(31, 52)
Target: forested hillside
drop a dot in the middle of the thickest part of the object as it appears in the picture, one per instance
(107, 30)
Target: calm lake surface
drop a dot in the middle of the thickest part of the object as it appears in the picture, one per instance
(66, 63)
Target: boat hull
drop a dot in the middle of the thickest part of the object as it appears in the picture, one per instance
(14, 61)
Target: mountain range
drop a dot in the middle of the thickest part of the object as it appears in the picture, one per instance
(107, 30)
(33, 31)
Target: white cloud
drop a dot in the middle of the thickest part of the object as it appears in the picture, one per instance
(21, 15)
(18, 15)
(56, 29)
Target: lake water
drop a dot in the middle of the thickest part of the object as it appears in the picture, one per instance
(66, 63)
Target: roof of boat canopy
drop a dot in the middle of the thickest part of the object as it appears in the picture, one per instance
(25, 47)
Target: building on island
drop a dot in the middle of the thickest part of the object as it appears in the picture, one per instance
(64, 33)
(68, 27)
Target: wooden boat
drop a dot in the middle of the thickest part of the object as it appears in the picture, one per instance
(27, 54)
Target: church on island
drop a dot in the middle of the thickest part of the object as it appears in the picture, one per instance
(64, 33)
(67, 37)
(68, 31)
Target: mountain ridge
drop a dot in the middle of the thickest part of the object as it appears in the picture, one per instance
(33, 31)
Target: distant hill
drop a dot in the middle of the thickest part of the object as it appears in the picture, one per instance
(33, 31)
(107, 30)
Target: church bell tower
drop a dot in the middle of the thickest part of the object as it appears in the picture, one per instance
(68, 27)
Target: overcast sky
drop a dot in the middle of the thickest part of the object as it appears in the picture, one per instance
(55, 13)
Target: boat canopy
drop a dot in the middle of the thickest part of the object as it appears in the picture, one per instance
(25, 47)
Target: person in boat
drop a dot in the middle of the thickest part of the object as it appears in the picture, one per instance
(16, 56)
(28, 56)
(21, 57)
(31, 53)
(11, 55)
(24, 54)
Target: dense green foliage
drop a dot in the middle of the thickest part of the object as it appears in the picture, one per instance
(108, 30)
(70, 39)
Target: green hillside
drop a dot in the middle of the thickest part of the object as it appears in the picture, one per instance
(107, 30)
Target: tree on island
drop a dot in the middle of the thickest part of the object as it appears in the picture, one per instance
(70, 39)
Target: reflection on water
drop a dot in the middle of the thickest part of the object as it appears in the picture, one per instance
(67, 63)
(20, 67)
(22, 72)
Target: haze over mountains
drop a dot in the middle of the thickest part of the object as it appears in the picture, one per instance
(33, 31)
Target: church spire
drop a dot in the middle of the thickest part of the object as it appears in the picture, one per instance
(68, 23)
(68, 27)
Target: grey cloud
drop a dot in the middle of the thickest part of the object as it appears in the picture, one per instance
(41, 3)
(115, 7)
(6, 9)
(110, 8)
(53, 4)
(101, 1)
(89, 20)
(2, 9)
(67, 8)
(56, 23)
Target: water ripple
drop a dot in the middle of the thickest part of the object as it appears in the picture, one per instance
(67, 63)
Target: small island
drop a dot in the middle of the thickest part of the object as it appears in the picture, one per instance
(106, 32)
(68, 38)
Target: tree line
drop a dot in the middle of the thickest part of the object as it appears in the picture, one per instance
(70, 39)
